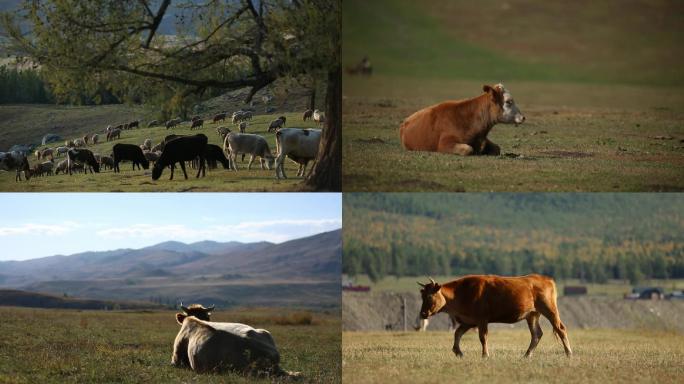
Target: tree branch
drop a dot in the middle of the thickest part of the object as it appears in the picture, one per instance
(156, 21)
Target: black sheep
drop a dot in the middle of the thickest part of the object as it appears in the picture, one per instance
(129, 152)
(85, 157)
(180, 150)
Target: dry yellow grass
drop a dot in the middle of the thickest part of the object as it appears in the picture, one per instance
(600, 356)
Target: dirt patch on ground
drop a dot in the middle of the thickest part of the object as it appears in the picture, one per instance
(567, 154)
(382, 311)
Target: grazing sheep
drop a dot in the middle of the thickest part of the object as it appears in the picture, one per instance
(318, 117)
(219, 116)
(152, 156)
(181, 149)
(84, 157)
(245, 143)
(152, 123)
(147, 144)
(62, 150)
(214, 153)
(197, 124)
(134, 124)
(222, 132)
(108, 129)
(69, 143)
(157, 148)
(107, 162)
(247, 115)
(129, 152)
(78, 143)
(61, 166)
(277, 124)
(116, 132)
(308, 114)
(301, 145)
(43, 169)
(95, 138)
(120, 127)
(85, 139)
(243, 126)
(173, 122)
(195, 118)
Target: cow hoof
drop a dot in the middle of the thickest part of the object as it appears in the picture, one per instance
(458, 354)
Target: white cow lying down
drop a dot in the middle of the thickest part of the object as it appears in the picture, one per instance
(208, 346)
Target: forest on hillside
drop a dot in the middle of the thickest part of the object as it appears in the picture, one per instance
(592, 237)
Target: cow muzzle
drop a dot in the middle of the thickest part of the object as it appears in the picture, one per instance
(519, 119)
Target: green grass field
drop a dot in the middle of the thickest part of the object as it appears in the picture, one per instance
(614, 288)
(63, 346)
(128, 180)
(600, 355)
(601, 94)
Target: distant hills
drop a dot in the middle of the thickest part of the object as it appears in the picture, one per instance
(17, 298)
(302, 272)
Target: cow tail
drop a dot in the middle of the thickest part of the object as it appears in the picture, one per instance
(554, 299)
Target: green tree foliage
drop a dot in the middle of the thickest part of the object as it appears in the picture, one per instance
(22, 86)
(590, 237)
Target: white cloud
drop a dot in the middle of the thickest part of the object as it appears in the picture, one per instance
(268, 230)
(36, 229)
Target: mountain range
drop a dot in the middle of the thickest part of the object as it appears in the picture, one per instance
(231, 273)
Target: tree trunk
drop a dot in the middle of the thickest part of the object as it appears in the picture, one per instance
(327, 174)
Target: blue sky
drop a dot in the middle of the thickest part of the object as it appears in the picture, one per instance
(45, 224)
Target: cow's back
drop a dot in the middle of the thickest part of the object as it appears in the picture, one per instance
(500, 299)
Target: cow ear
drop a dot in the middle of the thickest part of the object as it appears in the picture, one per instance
(180, 317)
(497, 93)
(487, 89)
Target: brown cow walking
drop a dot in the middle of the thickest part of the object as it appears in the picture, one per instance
(462, 126)
(477, 300)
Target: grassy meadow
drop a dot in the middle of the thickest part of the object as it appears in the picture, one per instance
(600, 355)
(601, 116)
(129, 180)
(66, 346)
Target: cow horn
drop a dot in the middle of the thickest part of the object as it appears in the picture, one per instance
(432, 281)
(421, 284)
(211, 309)
(184, 309)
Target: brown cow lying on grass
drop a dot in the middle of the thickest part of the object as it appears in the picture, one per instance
(477, 300)
(462, 126)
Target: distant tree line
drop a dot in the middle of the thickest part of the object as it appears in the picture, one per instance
(23, 86)
(563, 236)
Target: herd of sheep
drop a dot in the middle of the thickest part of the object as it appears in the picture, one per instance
(300, 145)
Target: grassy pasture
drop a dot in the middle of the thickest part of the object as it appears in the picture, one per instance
(600, 355)
(65, 346)
(128, 180)
(602, 95)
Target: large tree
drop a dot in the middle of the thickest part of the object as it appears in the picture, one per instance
(217, 45)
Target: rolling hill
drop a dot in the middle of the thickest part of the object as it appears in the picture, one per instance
(301, 272)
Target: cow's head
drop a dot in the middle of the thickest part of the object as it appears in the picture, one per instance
(196, 310)
(510, 114)
(433, 300)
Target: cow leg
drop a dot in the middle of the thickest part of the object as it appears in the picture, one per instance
(482, 328)
(550, 311)
(251, 160)
(448, 144)
(182, 165)
(535, 332)
(463, 328)
(490, 148)
(172, 166)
